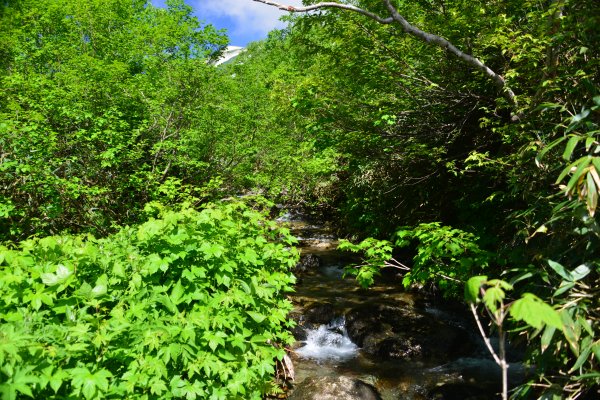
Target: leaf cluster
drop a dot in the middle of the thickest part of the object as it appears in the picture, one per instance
(186, 305)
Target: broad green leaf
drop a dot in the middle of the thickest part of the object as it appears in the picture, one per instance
(592, 194)
(580, 163)
(493, 298)
(500, 283)
(177, 293)
(578, 175)
(157, 386)
(60, 276)
(596, 349)
(589, 141)
(472, 288)
(581, 116)
(57, 379)
(258, 317)
(564, 287)
(23, 379)
(571, 331)
(101, 287)
(533, 311)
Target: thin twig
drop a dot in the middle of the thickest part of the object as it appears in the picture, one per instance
(484, 336)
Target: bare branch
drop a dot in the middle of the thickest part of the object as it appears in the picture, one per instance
(328, 4)
(486, 340)
(413, 31)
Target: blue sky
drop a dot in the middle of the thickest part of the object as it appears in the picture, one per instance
(245, 20)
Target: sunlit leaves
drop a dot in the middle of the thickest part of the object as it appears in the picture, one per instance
(473, 288)
(532, 310)
(528, 308)
(189, 292)
(90, 384)
(90, 93)
(582, 144)
(60, 276)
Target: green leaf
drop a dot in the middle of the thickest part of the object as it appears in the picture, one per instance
(596, 349)
(549, 147)
(157, 386)
(570, 147)
(580, 272)
(101, 287)
(571, 331)
(581, 116)
(57, 379)
(493, 298)
(547, 337)
(559, 269)
(177, 293)
(579, 163)
(258, 317)
(586, 350)
(577, 175)
(23, 379)
(564, 287)
(533, 311)
(60, 276)
(472, 288)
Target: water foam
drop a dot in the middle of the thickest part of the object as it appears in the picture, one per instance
(328, 342)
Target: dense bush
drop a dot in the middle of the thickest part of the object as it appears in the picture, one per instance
(189, 304)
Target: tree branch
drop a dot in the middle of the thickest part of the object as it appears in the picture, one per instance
(413, 31)
(328, 4)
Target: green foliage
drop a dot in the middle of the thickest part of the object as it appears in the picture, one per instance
(376, 255)
(100, 106)
(569, 355)
(445, 255)
(283, 153)
(582, 133)
(528, 308)
(189, 304)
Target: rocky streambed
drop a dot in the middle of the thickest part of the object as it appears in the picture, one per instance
(382, 342)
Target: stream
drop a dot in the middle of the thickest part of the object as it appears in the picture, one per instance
(382, 342)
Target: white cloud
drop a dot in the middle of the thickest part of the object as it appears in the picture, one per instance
(250, 18)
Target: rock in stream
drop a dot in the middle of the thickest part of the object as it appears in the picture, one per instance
(334, 388)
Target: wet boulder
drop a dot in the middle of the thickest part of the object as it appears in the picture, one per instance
(320, 313)
(334, 388)
(402, 333)
(362, 322)
(399, 348)
(307, 263)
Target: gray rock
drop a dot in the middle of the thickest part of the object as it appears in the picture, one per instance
(404, 333)
(320, 313)
(307, 263)
(334, 388)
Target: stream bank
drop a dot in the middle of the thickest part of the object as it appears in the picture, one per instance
(382, 342)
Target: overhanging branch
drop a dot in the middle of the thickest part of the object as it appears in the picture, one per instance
(426, 37)
(328, 4)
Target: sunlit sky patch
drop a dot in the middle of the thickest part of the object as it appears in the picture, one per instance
(245, 20)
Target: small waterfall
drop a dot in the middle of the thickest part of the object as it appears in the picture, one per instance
(328, 342)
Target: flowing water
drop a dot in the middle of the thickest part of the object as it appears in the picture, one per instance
(323, 299)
